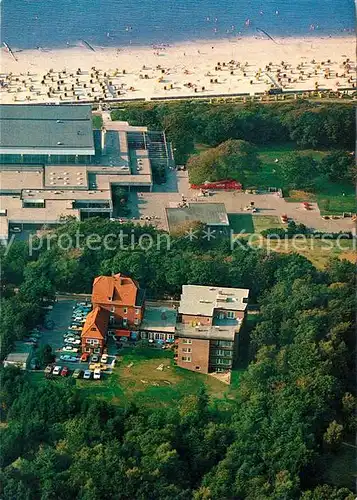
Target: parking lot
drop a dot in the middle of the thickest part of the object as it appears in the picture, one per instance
(60, 318)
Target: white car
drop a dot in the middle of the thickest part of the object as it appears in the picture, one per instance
(87, 374)
(96, 374)
(57, 370)
(72, 340)
(104, 358)
(69, 348)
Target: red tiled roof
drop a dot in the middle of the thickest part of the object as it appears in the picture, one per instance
(96, 324)
(116, 290)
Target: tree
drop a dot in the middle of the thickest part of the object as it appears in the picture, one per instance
(298, 171)
(232, 159)
(333, 435)
(45, 355)
(338, 166)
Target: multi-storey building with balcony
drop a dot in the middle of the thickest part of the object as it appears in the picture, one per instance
(207, 335)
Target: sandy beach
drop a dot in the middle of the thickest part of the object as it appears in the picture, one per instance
(246, 65)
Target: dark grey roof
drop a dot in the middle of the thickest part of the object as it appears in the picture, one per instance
(32, 129)
(212, 214)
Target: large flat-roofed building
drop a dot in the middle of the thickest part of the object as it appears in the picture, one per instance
(53, 164)
(46, 134)
(207, 335)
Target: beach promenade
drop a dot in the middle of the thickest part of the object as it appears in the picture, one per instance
(246, 66)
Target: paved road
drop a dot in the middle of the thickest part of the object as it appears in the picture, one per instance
(153, 204)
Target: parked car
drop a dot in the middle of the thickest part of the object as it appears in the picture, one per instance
(68, 357)
(34, 334)
(48, 369)
(56, 370)
(95, 358)
(35, 364)
(96, 374)
(31, 343)
(77, 373)
(104, 358)
(70, 348)
(87, 374)
(64, 371)
(85, 357)
(71, 340)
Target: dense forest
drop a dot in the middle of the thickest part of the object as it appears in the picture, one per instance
(292, 418)
(186, 124)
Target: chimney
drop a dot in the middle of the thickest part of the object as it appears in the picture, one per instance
(102, 138)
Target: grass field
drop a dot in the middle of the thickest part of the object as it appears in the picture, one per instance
(250, 224)
(316, 251)
(143, 384)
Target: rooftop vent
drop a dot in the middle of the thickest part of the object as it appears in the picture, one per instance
(59, 143)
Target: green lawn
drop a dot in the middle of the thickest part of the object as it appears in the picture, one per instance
(143, 384)
(241, 223)
(97, 121)
(250, 224)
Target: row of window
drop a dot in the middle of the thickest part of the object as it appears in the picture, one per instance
(113, 309)
(221, 352)
(92, 341)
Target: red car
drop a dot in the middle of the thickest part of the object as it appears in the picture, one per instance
(64, 371)
(306, 205)
(85, 357)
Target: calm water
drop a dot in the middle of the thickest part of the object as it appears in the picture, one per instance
(55, 23)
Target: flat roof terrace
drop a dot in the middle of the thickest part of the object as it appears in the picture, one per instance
(49, 130)
(66, 176)
(16, 180)
(206, 332)
(159, 319)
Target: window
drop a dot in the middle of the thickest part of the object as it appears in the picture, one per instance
(33, 203)
(197, 367)
(137, 311)
(125, 310)
(186, 341)
(231, 314)
(92, 341)
(125, 321)
(159, 336)
(170, 336)
(87, 349)
(136, 321)
(187, 349)
(112, 309)
(186, 359)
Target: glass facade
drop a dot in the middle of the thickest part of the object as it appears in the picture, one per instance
(47, 159)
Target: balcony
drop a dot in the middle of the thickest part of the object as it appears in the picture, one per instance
(227, 322)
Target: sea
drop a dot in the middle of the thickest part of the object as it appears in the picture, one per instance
(29, 24)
